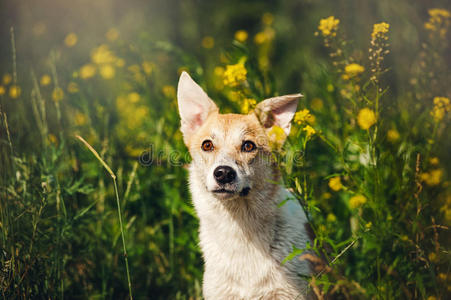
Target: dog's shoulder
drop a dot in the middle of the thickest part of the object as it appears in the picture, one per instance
(291, 231)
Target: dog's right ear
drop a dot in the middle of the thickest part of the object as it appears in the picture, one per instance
(194, 105)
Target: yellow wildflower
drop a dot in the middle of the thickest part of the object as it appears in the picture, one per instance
(219, 71)
(57, 94)
(330, 88)
(2, 90)
(434, 161)
(112, 34)
(366, 118)
(368, 225)
(327, 195)
(14, 91)
(70, 40)
(328, 26)
(317, 104)
(147, 67)
(357, 201)
(235, 74)
(133, 97)
(439, 21)
(208, 42)
(441, 107)
(277, 136)
(304, 116)
(241, 36)
(392, 135)
(266, 35)
(7, 78)
(309, 131)
(53, 139)
(80, 118)
(72, 87)
(432, 298)
(442, 276)
(335, 184)
(107, 71)
(87, 71)
(102, 55)
(267, 18)
(404, 238)
(45, 80)
(353, 69)
(331, 218)
(379, 30)
(168, 91)
(433, 177)
(248, 105)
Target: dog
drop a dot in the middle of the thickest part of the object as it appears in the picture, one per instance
(245, 230)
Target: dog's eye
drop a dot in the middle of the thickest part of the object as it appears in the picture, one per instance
(248, 146)
(207, 145)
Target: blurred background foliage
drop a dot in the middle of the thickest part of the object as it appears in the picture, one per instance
(372, 130)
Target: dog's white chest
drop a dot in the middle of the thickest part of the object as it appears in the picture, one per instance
(241, 259)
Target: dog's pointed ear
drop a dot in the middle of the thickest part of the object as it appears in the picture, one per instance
(194, 105)
(278, 111)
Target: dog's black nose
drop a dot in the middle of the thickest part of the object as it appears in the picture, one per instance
(224, 174)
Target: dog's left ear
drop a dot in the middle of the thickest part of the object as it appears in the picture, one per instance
(278, 111)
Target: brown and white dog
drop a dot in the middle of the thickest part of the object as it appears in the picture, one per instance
(244, 234)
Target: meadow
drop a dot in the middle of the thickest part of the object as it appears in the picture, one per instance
(94, 202)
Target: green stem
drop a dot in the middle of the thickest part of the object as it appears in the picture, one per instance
(123, 238)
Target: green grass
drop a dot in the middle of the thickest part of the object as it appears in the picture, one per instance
(367, 156)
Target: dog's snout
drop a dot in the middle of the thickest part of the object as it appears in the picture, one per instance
(224, 174)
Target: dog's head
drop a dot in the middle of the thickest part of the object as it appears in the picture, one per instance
(231, 152)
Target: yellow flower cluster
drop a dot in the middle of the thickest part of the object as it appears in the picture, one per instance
(45, 80)
(331, 218)
(14, 90)
(131, 113)
(304, 116)
(70, 40)
(235, 74)
(57, 94)
(439, 21)
(380, 30)
(309, 130)
(112, 34)
(335, 184)
(357, 201)
(104, 60)
(353, 70)
(446, 209)
(241, 36)
(441, 107)
(328, 26)
(247, 105)
(393, 135)
(264, 36)
(433, 177)
(366, 118)
(79, 118)
(276, 136)
(169, 91)
(208, 42)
